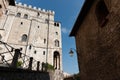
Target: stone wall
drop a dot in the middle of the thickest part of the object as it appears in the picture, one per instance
(40, 29)
(99, 46)
(20, 74)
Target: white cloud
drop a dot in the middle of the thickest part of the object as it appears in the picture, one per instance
(65, 30)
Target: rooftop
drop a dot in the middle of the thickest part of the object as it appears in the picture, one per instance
(85, 9)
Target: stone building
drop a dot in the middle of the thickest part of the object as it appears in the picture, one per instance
(4, 4)
(97, 36)
(34, 31)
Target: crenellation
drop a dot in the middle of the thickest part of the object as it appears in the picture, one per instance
(43, 10)
(53, 12)
(39, 9)
(29, 6)
(19, 4)
(15, 2)
(25, 5)
(35, 8)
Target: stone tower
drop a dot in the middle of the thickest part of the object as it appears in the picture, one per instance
(34, 31)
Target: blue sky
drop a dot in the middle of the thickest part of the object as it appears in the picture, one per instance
(66, 12)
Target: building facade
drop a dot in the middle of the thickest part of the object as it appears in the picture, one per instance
(97, 37)
(34, 31)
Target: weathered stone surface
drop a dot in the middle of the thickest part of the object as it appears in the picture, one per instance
(20, 74)
(99, 46)
(34, 31)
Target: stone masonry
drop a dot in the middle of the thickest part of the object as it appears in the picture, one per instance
(97, 34)
(34, 31)
(4, 4)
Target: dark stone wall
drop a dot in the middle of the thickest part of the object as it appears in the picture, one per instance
(20, 74)
(99, 47)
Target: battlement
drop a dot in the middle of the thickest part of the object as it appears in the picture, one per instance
(35, 8)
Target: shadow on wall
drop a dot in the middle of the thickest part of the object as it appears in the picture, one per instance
(20, 74)
(74, 77)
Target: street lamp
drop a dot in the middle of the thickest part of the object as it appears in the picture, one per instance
(71, 53)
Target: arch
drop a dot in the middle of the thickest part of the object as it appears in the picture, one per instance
(58, 24)
(38, 14)
(57, 43)
(55, 24)
(18, 14)
(56, 60)
(44, 41)
(25, 16)
(101, 12)
(0, 6)
(24, 37)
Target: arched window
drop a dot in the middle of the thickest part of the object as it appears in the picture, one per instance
(25, 16)
(24, 37)
(0, 6)
(35, 52)
(44, 41)
(18, 14)
(30, 47)
(56, 60)
(101, 13)
(55, 24)
(43, 52)
(56, 43)
(38, 14)
(58, 24)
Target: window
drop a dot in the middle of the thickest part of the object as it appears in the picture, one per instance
(35, 52)
(101, 13)
(43, 52)
(56, 43)
(0, 6)
(56, 33)
(38, 14)
(24, 37)
(25, 16)
(21, 23)
(30, 47)
(2, 57)
(44, 41)
(18, 14)
(55, 24)
(21, 49)
(47, 20)
(38, 26)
